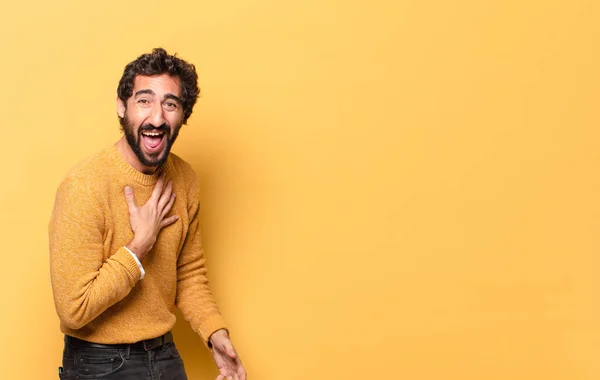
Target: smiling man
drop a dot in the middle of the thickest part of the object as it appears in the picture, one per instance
(125, 242)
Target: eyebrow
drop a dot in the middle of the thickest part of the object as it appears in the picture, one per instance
(150, 92)
(173, 97)
(144, 91)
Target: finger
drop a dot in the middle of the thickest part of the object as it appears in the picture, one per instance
(241, 372)
(168, 206)
(158, 188)
(130, 198)
(167, 221)
(165, 197)
(219, 361)
(230, 350)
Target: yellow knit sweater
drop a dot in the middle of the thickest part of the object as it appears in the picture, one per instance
(97, 291)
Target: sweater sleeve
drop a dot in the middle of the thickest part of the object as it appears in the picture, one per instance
(194, 297)
(84, 284)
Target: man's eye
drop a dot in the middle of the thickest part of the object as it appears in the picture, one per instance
(171, 105)
(143, 101)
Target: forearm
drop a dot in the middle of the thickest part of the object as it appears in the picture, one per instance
(194, 297)
(82, 293)
(196, 301)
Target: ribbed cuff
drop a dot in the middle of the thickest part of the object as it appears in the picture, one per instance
(211, 324)
(138, 262)
(124, 257)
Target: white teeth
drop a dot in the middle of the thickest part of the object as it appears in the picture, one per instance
(152, 133)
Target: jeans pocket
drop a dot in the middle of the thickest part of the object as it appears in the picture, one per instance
(96, 366)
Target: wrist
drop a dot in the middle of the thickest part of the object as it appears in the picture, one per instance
(219, 334)
(139, 249)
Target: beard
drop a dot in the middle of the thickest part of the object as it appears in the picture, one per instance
(135, 140)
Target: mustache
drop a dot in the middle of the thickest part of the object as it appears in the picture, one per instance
(149, 127)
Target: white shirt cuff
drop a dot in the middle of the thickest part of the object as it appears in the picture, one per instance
(138, 263)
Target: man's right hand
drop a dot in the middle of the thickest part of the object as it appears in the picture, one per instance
(146, 221)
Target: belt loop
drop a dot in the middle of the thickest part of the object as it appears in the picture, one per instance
(127, 351)
(66, 348)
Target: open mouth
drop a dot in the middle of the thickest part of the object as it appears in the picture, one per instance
(153, 140)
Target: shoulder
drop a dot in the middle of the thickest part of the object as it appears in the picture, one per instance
(83, 177)
(77, 197)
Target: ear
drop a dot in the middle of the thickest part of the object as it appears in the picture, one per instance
(121, 108)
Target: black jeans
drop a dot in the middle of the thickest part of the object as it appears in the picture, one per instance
(160, 363)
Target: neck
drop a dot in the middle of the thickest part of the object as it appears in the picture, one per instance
(129, 155)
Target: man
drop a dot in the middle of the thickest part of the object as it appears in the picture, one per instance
(124, 240)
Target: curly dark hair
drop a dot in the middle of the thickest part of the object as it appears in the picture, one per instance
(156, 63)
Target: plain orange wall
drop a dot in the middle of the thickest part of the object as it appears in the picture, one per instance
(390, 189)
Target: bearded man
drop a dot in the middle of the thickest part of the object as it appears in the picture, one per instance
(125, 245)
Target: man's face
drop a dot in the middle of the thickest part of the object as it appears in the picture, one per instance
(152, 117)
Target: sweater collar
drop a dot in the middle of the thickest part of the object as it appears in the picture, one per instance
(134, 174)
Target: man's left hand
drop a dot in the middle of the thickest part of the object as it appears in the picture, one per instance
(227, 360)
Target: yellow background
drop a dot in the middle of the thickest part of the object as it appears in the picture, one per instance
(390, 189)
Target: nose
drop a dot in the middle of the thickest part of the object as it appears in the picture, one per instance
(157, 117)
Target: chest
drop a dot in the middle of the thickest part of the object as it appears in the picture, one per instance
(170, 239)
